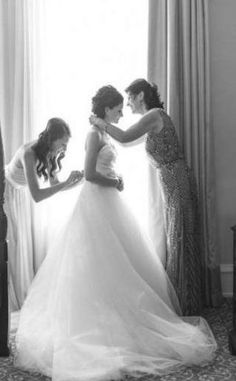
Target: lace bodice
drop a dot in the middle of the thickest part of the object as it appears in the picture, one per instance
(163, 147)
(106, 160)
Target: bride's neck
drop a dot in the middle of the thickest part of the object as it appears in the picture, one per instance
(106, 120)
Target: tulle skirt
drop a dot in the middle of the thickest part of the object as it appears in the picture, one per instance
(101, 304)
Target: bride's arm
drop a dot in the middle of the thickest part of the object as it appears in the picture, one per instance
(150, 120)
(93, 146)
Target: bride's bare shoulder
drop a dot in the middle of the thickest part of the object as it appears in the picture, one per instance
(94, 136)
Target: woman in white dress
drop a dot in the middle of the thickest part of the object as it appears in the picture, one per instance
(101, 305)
(32, 161)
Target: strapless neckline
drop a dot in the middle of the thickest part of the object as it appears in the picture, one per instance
(104, 146)
(107, 144)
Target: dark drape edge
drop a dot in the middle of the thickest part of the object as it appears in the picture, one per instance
(4, 312)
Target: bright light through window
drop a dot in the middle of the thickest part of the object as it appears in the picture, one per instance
(89, 44)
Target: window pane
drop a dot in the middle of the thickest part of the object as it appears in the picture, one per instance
(89, 44)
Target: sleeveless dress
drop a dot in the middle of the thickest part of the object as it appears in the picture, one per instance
(27, 233)
(181, 216)
(20, 243)
(101, 305)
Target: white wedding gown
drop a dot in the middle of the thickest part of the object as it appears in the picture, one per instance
(101, 305)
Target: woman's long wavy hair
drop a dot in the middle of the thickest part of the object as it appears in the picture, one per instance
(56, 129)
(152, 97)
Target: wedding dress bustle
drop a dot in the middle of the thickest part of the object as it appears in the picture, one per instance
(101, 304)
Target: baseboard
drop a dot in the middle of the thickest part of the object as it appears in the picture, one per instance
(226, 271)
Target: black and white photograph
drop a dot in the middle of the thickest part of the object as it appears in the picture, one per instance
(117, 190)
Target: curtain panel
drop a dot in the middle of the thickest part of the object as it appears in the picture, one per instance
(20, 73)
(178, 61)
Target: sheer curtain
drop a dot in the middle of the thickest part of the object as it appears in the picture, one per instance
(20, 93)
(179, 64)
(54, 55)
(19, 78)
(88, 45)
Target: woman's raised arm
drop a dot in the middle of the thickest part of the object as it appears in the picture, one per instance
(150, 120)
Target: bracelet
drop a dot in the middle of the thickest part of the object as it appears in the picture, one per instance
(119, 182)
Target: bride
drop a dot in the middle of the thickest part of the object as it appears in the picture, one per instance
(101, 305)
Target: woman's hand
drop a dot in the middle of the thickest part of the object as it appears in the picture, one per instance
(74, 178)
(80, 175)
(98, 122)
(120, 185)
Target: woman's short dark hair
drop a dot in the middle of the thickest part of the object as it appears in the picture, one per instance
(56, 129)
(152, 97)
(106, 96)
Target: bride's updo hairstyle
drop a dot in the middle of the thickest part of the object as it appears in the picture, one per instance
(106, 96)
(56, 129)
(152, 97)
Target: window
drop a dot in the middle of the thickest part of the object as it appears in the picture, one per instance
(89, 44)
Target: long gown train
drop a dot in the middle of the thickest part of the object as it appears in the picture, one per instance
(101, 304)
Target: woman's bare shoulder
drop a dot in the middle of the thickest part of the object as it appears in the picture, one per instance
(27, 151)
(94, 136)
(155, 115)
(156, 112)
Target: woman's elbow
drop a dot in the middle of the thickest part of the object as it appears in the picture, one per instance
(36, 197)
(124, 139)
(89, 177)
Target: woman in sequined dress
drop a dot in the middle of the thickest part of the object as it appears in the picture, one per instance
(179, 192)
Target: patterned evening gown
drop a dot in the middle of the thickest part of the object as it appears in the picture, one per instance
(181, 219)
(100, 305)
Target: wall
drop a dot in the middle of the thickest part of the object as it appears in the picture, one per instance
(222, 31)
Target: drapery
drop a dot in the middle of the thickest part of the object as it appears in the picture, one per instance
(179, 64)
(19, 86)
(43, 75)
(19, 111)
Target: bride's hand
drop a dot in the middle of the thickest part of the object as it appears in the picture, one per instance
(97, 122)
